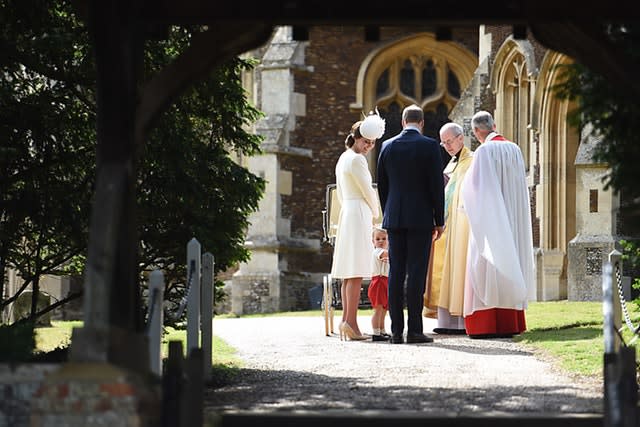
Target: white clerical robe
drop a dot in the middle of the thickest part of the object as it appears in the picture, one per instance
(500, 265)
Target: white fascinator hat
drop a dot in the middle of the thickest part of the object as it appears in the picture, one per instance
(372, 127)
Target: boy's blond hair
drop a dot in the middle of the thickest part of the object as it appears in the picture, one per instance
(378, 229)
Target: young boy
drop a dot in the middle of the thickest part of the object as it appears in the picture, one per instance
(378, 288)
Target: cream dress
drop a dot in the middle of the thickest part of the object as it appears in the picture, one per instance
(359, 205)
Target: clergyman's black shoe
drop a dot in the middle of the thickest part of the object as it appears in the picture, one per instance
(418, 339)
(396, 339)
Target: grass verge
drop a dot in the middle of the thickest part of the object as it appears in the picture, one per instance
(571, 333)
(225, 363)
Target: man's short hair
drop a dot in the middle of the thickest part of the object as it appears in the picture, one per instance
(412, 114)
(482, 120)
(452, 127)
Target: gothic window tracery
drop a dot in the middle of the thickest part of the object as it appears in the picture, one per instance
(513, 85)
(399, 83)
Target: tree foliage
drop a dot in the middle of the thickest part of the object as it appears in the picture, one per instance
(613, 115)
(188, 184)
(190, 153)
(47, 131)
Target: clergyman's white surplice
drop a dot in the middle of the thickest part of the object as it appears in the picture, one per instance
(500, 264)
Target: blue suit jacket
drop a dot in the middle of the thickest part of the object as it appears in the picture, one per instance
(410, 181)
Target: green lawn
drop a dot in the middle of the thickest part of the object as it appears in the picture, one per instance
(59, 335)
(223, 353)
(568, 332)
(571, 333)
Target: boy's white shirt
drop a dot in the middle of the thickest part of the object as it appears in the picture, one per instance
(379, 267)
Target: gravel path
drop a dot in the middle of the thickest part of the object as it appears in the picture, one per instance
(290, 365)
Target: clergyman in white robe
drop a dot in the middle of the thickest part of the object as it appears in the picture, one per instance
(500, 277)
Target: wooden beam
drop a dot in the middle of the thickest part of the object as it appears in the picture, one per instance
(590, 48)
(207, 50)
(378, 12)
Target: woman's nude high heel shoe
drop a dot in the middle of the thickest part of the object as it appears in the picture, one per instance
(349, 333)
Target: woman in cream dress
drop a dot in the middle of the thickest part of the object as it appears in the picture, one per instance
(359, 206)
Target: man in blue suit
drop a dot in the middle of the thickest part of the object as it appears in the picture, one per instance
(411, 189)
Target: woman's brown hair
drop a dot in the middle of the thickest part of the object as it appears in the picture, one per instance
(355, 134)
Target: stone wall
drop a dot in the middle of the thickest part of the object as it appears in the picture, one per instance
(18, 384)
(586, 255)
(96, 394)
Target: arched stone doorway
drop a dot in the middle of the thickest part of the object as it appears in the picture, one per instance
(556, 204)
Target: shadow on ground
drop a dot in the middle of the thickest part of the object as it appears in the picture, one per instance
(274, 391)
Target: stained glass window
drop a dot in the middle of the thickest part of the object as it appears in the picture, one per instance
(408, 79)
(417, 79)
(429, 79)
(453, 84)
(382, 85)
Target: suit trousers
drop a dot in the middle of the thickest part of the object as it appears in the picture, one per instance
(409, 250)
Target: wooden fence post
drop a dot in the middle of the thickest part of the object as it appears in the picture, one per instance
(193, 396)
(193, 300)
(208, 282)
(173, 387)
(155, 320)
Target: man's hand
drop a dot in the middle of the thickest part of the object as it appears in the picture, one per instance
(437, 232)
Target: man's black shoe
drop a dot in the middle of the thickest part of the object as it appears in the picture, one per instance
(447, 331)
(418, 338)
(384, 337)
(396, 339)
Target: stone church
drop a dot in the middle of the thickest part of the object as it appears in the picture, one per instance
(312, 89)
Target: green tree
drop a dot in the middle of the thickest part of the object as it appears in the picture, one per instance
(614, 117)
(188, 184)
(47, 131)
(611, 112)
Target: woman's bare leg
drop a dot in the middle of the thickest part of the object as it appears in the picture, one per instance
(350, 304)
(343, 297)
